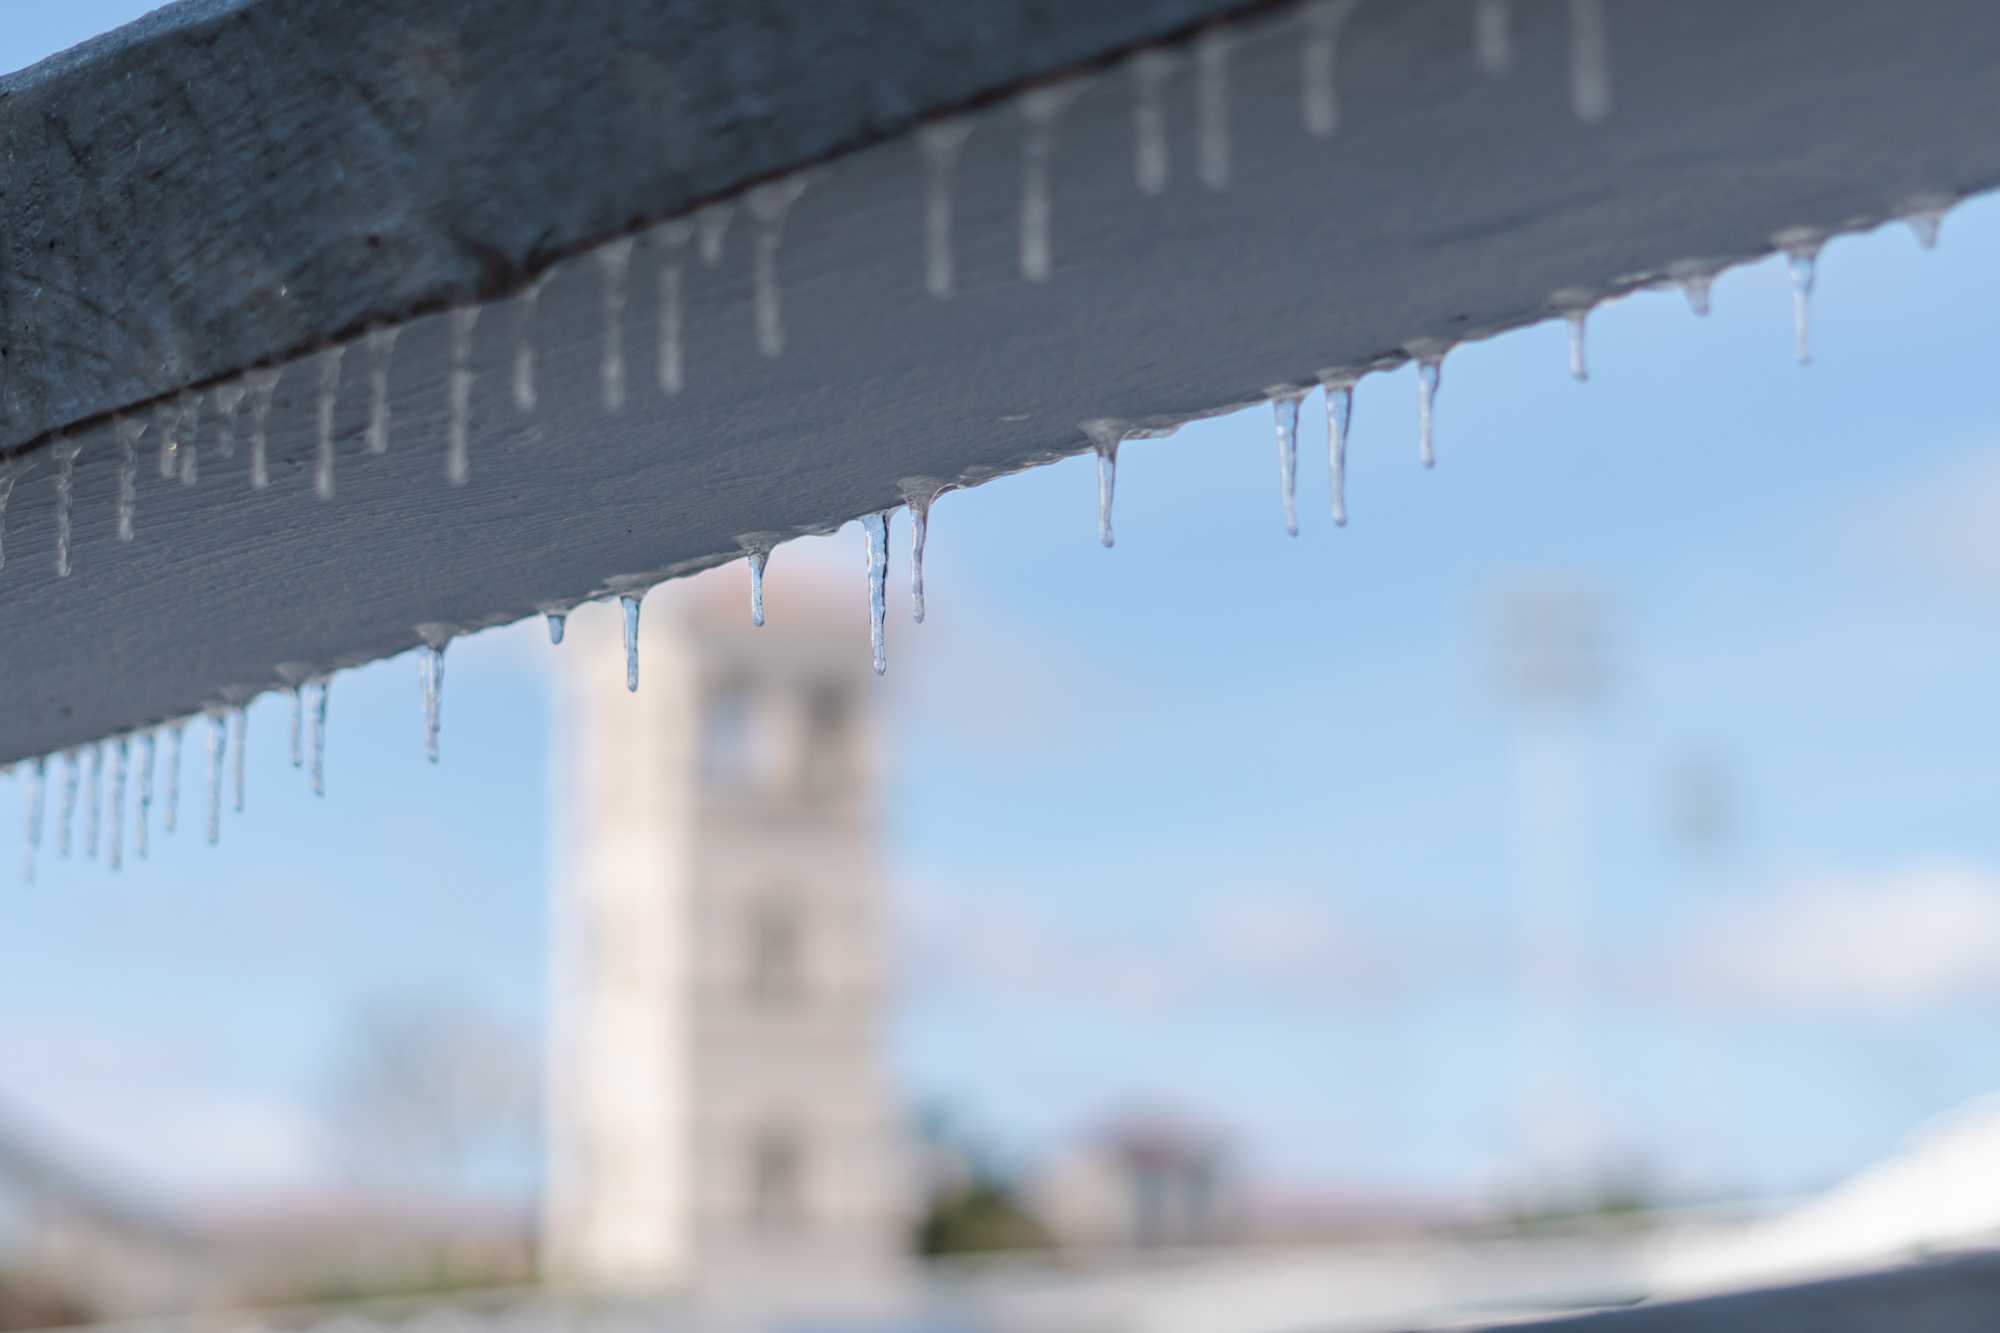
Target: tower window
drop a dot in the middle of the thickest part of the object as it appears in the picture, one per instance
(776, 963)
(777, 1180)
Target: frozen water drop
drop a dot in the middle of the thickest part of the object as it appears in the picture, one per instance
(629, 604)
(65, 451)
(712, 223)
(93, 814)
(1575, 306)
(228, 399)
(919, 499)
(458, 459)
(1492, 36)
(1589, 61)
(557, 621)
(758, 559)
(263, 384)
(430, 675)
(218, 750)
(672, 239)
(1924, 215)
(128, 431)
(1696, 286)
(525, 394)
(37, 797)
(877, 528)
(318, 690)
(170, 812)
(1150, 70)
(1211, 105)
(1429, 354)
(121, 759)
(10, 472)
(1320, 57)
(1285, 402)
(148, 751)
(381, 350)
(1801, 247)
(1339, 415)
(940, 144)
(769, 206)
(329, 397)
(66, 820)
(614, 264)
(1041, 109)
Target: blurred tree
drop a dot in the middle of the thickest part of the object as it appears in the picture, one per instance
(982, 1215)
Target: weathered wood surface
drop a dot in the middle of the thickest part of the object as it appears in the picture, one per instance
(230, 183)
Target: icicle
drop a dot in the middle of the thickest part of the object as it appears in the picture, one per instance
(93, 813)
(1924, 215)
(66, 821)
(940, 144)
(329, 397)
(1696, 286)
(712, 222)
(128, 431)
(319, 690)
(877, 528)
(672, 238)
(430, 672)
(1211, 61)
(148, 750)
(629, 604)
(65, 451)
(263, 384)
(228, 398)
(1492, 37)
(297, 693)
(758, 559)
(1285, 402)
(218, 746)
(166, 418)
(10, 472)
(170, 815)
(1589, 61)
(919, 497)
(1150, 71)
(1339, 392)
(1801, 247)
(769, 204)
(1429, 355)
(187, 427)
(1105, 437)
(1041, 108)
(38, 786)
(557, 621)
(525, 305)
(458, 464)
(1575, 306)
(1319, 86)
(614, 264)
(381, 349)
(121, 758)
(236, 758)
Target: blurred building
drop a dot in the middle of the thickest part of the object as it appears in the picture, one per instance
(720, 1117)
(1141, 1180)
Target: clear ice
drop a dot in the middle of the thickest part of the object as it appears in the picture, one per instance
(218, 747)
(148, 750)
(128, 431)
(557, 621)
(458, 463)
(1801, 260)
(919, 500)
(1575, 307)
(1105, 437)
(66, 820)
(241, 714)
(430, 674)
(1696, 287)
(65, 451)
(940, 144)
(525, 305)
(1429, 356)
(629, 604)
(318, 689)
(769, 205)
(381, 350)
(186, 427)
(614, 265)
(1285, 409)
(758, 559)
(329, 398)
(166, 418)
(38, 786)
(170, 814)
(877, 528)
(1339, 415)
(93, 815)
(1211, 104)
(121, 759)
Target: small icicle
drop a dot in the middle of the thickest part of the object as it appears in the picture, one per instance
(1492, 36)
(629, 604)
(1696, 287)
(66, 820)
(1429, 355)
(458, 463)
(1801, 247)
(769, 205)
(672, 239)
(712, 222)
(228, 399)
(940, 144)
(1105, 437)
(38, 786)
(1339, 393)
(614, 266)
(121, 759)
(236, 759)
(148, 751)
(218, 748)
(65, 451)
(1924, 215)
(297, 693)
(1150, 70)
(128, 431)
(1211, 63)
(877, 527)
(263, 383)
(1589, 61)
(319, 690)
(1320, 55)
(1575, 306)
(170, 814)
(1285, 402)
(430, 673)
(187, 427)
(93, 813)
(10, 472)
(329, 398)
(525, 305)
(381, 350)
(919, 498)
(758, 559)
(1041, 108)
(166, 417)
(558, 620)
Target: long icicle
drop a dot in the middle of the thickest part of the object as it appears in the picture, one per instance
(629, 604)
(319, 689)
(1339, 416)
(877, 528)
(1285, 409)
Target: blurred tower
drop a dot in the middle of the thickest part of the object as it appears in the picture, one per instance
(719, 1120)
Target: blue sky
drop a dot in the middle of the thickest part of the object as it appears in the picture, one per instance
(1230, 823)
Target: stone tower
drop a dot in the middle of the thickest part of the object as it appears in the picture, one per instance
(719, 1117)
